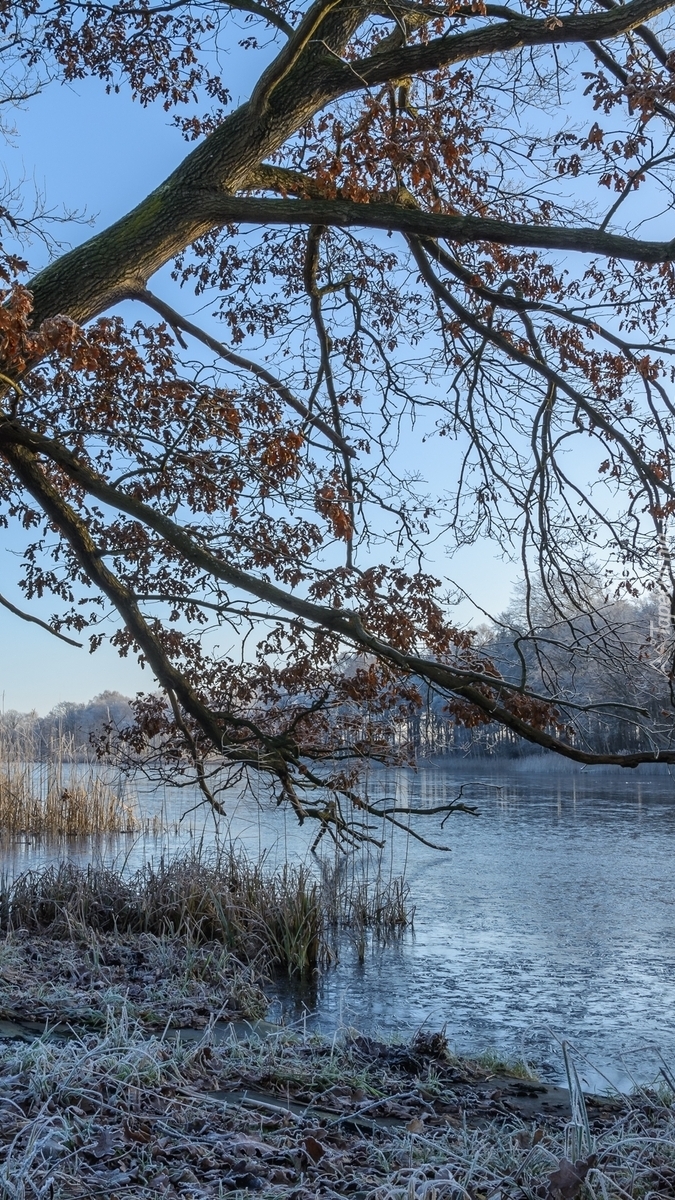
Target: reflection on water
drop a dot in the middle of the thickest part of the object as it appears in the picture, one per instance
(553, 915)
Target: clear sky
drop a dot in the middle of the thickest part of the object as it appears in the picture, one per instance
(83, 149)
(86, 150)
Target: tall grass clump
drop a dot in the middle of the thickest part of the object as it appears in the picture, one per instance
(352, 900)
(63, 797)
(85, 808)
(281, 917)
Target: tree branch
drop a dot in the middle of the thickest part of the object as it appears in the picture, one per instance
(19, 447)
(510, 35)
(645, 472)
(36, 621)
(310, 274)
(650, 40)
(174, 318)
(405, 219)
(308, 73)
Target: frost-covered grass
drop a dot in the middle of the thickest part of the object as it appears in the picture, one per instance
(120, 1114)
(157, 981)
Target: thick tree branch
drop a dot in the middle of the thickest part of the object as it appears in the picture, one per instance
(308, 73)
(19, 446)
(252, 210)
(273, 178)
(509, 35)
(92, 277)
(284, 63)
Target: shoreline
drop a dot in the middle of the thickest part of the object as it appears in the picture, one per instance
(105, 1093)
(126, 1114)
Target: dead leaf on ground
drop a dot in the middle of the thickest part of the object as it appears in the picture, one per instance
(10, 974)
(137, 1133)
(526, 1139)
(314, 1148)
(416, 1125)
(106, 1143)
(565, 1183)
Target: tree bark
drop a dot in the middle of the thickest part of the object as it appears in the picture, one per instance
(307, 74)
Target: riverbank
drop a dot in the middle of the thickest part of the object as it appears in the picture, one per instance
(119, 1114)
(270, 918)
(125, 1071)
(158, 982)
(180, 942)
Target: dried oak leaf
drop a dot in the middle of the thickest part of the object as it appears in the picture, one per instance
(107, 1142)
(526, 1139)
(314, 1148)
(416, 1125)
(565, 1183)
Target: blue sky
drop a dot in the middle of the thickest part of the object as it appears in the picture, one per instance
(87, 150)
(82, 149)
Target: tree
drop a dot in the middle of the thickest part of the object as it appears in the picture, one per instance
(435, 217)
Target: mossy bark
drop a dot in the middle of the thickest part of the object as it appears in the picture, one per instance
(308, 73)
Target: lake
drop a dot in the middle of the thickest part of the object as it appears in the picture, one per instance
(552, 917)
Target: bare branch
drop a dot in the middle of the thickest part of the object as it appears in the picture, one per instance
(175, 320)
(36, 621)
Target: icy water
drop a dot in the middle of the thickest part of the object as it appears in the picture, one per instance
(553, 915)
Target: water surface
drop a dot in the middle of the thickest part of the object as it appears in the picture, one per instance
(552, 916)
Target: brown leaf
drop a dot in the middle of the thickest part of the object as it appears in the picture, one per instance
(566, 1182)
(416, 1125)
(137, 1133)
(526, 1139)
(314, 1148)
(10, 974)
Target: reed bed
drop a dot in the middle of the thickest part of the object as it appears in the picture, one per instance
(56, 792)
(283, 918)
(86, 808)
(120, 1115)
(355, 899)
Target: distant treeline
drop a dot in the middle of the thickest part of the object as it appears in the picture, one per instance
(601, 664)
(610, 671)
(69, 730)
(72, 730)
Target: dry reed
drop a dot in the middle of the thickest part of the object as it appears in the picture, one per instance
(86, 808)
(283, 918)
(64, 797)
